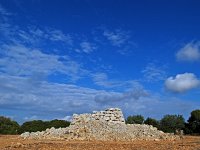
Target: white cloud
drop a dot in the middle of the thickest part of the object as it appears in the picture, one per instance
(117, 37)
(135, 93)
(19, 60)
(190, 52)
(154, 73)
(58, 35)
(182, 82)
(101, 79)
(67, 118)
(5, 27)
(52, 100)
(87, 47)
(33, 35)
(34, 117)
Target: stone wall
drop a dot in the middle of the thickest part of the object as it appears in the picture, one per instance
(113, 115)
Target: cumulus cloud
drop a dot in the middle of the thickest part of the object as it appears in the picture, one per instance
(182, 82)
(190, 52)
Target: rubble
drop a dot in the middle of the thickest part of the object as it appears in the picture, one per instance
(108, 125)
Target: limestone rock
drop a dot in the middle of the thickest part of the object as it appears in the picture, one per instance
(105, 125)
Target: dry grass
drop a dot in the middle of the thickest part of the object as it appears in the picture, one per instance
(10, 142)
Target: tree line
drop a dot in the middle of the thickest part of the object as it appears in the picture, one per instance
(8, 126)
(169, 124)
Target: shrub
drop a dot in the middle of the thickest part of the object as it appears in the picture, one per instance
(39, 125)
(151, 121)
(137, 119)
(171, 123)
(58, 123)
(8, 126)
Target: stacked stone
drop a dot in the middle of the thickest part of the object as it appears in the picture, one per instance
(114, 115)
(105, 125)
(110, 115)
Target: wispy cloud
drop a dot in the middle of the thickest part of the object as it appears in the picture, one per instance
(4, 12)
(33, 35)
(20, 60)
(19, 93)
(190, 52)
(58, 35)
(153, 73)
(87, 47)
(182, 82)
(101, 79)
(128, 96)
(40, 100)
(117, 37)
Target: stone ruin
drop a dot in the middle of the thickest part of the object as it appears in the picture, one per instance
(112, 115)
(108, 125)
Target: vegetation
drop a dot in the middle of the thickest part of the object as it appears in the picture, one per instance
(137, 119)
(8, 126)
(39, 125)
(193, 125)
(169, 123)
(151, 121)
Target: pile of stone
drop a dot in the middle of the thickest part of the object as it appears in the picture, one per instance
(108, 125)
(113, 115)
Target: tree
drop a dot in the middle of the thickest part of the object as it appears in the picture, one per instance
(59, 123)
(33, 126)
(135, 119)
(151, 121)
(193, 125)
(39, 125)
(171, 123)
(8, 126)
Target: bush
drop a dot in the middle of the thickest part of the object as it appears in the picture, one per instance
(33, 126)
(7, 126)
(137, 119)
(151, 121)
(58, 123)
(171, 123)
(39, 125)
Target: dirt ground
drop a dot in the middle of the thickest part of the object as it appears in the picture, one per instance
(10, 142)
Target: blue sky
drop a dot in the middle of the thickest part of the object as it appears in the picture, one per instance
(63, 57)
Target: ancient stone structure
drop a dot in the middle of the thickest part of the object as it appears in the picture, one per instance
(113, 115)
(105, 125)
